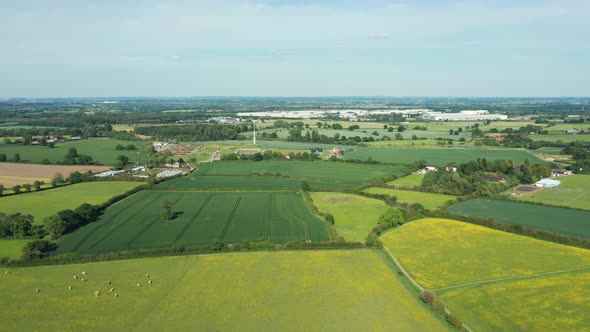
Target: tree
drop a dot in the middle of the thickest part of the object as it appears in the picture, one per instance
(37, 249)
(16, 188)
(16, 157)
(70, 157)
(119, 147)
(414, 137)
(274, 135)
(392, 217)
(305, 186)
(131, 147)
(401, 128)
(122, 160)
(329, 218)
(150, 181)
(27, 187)
(399, 136)
(1, 190)
(167, 210)
(37, 185)
(57, 179)
(55, 226)
(75, 177)
(3, 157)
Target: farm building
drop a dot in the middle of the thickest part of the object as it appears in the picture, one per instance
(108, 173)
(547, 183)
(464, 116)
(427, 169)
(559, 172)
(168, 173)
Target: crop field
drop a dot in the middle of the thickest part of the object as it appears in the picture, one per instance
(274, 145)
(101, 150)
(282, 291)
(550, 303)
(302, 170)
(441, 156)
(565, 138)
(249, 182)
(412, 180)
(354, 215)
(574, 192)
(430, 143)
(368, 132)
(12, 248)
(430, 201)
(200, 218)
(48, 202)
(566, 221)
(14, 173)
(474, 253)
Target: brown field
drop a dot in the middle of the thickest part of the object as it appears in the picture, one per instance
(12, 173)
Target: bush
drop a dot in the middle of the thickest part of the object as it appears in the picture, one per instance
(329, 218)
(438, 305)
(428, 297)
(454, 320)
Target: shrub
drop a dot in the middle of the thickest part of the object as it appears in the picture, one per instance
(438, 305)
(428, 297)
(454, 320)
(329, 218)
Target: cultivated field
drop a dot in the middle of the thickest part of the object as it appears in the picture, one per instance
(100, 149)
(201, 217)
(441, 156)
(554, 219)
(354, 215)
(48, 202)
(490, 279)
(574, 191)
(194, 181)
(12, 248)
(283, 291)
(430, 201)
(14, 173)
(441, 253)
(412, 180)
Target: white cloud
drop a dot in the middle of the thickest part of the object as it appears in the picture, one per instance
(282, 52)
(379, 35)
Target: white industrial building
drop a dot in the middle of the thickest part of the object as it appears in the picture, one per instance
(473, 115)
(547, 183)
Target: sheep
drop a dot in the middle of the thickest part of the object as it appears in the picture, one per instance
(138, 285)
(6, 272)
(37, 290)
(83, 273)
(70, 287)
(83, 279)
(112, 290)
(150, 282)
(97, 293)
(116, 295)
(75, 277)
(147, 275)
(108, 282)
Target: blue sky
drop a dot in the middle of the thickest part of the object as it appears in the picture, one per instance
(59, 48)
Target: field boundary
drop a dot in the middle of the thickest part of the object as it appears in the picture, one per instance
(230, 219)
(193, 219)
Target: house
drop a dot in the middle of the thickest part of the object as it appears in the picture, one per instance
(451, 169)
(108, 173)
(336, 152)
(168, 173)
(571, 131)
(499, 138)
(559, 172)
(427, 169)
(547, 183)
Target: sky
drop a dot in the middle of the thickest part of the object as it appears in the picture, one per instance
(83, 48)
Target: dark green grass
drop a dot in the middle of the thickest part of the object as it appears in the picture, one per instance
(101, 150)
(200, 218)
(565, 221)
(250, 182)
(441, 156)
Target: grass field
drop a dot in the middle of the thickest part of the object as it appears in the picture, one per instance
(550, 303)
(354, 215)
(302, 170)
(250, 182)
(429, 200)
(16, 173)
(201, 217)
(574, 191)
(12, 248)
(368, 132)
(441, 253)
(101, 150)
(283, 291)
(565, 138)
(441, 156)
(412, 180)
(554, 219)
(48, 202)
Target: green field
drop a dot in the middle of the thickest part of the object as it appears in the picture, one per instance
(354, 215)
(369, 132)
(201, 217)
(282, 291)
(249, 182)
(12, 248)
(565, 138)
(492, 278)
(441, 253)
(412, 180)
(439, 157)
(101, 150)
(574, 191)
(565, 221)
(429, 200)
(49, 202)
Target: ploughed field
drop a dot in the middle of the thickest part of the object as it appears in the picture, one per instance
(565, 221)
(199, 219)
(344, 290)
(17, 173)
(284, 175)
(440, 157)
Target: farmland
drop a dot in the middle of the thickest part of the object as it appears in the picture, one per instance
(217, 292)
(13, 173)
(574, 192)
(487, 295)
(354, 215)
(12, 248)
(412, 180)
(48, 202)
(554, 219)
(201, 217)
(439, 157)
(430, 201)
(249, 182)
(101, 150)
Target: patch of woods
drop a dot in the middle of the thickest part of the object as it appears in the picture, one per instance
(437, 305)
(272, 155)
(392, 218)
(581, 155)
(195, 132)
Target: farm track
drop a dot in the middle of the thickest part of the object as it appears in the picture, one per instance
(229, 220)
(150, 224)
(89, 234)
(193, 219)
(120, 224)
(268, 213)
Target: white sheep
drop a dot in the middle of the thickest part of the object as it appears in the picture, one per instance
(97, 293)
(150, 282)
(116, 295)
(70, 287)
(108, 282)
(75, 277)
(6, 272)
(138, 285)
(112, 290)
(83, 273)
(147, 275)
(83, 279)
(37, 290)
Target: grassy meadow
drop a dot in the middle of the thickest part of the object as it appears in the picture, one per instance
(12, 248)
(48, 202)
(430, 201)
(439, 253)
(574, 192)
(282, 291)
(200, 218)
(354, 215)
(440, 156)
(566, 221)
(412, 180)
(100, 149)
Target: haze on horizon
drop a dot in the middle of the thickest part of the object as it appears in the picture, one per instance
(148, 48)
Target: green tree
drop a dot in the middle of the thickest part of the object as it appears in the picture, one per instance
(16, 157)
(55, 226)
(37, 185)
(3, 157)
(27, 187)
(1, 190)
(16, 188)
(167, 210)
(57, 179)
